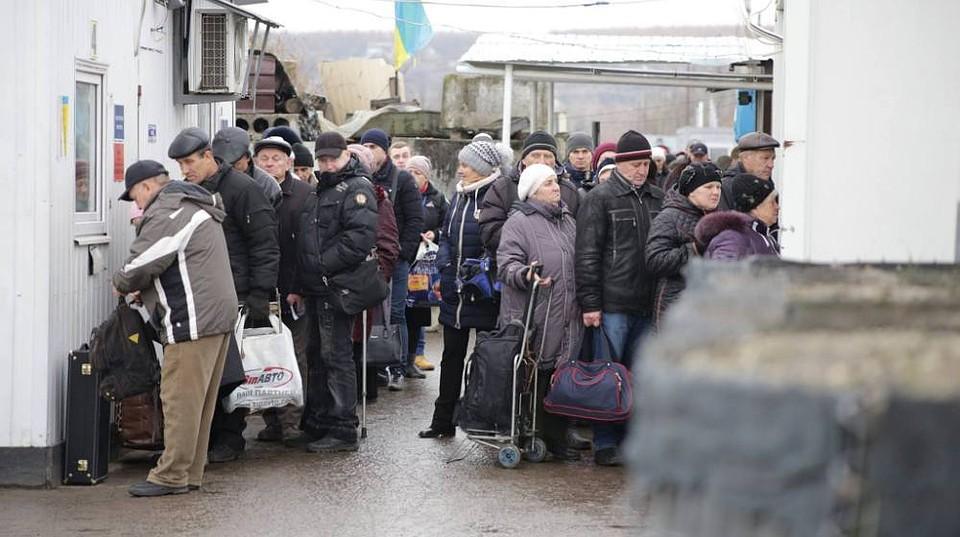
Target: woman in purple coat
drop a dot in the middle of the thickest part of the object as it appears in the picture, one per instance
(745, 232)
(540, 230)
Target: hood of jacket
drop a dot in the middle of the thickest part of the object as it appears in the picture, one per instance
(177, 192)
(353, 168)
(716, 223)
(675, 200)
(528, 208)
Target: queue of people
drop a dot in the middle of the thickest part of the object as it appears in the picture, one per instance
(611, 227)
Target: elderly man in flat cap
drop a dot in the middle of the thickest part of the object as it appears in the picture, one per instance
(756, 153)
(251, 232)
(176, 263)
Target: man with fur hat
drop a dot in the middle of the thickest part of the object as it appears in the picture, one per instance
(614, 289)
(538, 148)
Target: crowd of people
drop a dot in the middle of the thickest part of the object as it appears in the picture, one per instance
(611, 227)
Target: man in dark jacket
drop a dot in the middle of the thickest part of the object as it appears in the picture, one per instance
(175, 264)
(538, 148)
(232, 145)
(405, 196)
(614, 288)
(756, 153)
(250, 229)
(336, 233)
(579, 157)
(273, 155)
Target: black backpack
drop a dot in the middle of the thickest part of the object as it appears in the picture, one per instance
(121, 348)
(487, 402)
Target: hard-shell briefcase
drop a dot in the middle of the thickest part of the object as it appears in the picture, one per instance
(87, 450)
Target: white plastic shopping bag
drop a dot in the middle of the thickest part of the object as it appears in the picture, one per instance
(270, 366)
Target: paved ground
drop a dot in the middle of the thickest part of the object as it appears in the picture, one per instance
(396, 485)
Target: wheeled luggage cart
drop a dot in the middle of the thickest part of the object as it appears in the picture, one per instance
(521, 441)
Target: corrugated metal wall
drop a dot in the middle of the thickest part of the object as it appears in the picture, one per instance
(49, 300)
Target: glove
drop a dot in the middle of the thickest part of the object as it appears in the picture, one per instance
(258, 307)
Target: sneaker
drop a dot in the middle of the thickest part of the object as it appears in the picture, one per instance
(395, 381)
(223, 453)
(146, 489)
(270, 433)
(383, 378)
(329, 444)
(421, 362)
(413, 372)
(607, 457)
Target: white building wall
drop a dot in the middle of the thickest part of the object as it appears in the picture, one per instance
(870, 91)
(49, 301)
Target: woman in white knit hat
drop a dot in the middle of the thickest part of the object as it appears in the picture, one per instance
(541, 230)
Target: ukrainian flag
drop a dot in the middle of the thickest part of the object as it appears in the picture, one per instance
(413, 30)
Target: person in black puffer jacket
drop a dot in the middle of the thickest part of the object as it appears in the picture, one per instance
(481, 164)
(671, 242)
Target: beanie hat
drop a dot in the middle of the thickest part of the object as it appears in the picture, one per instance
(302, 157)
(484, 157)
(539, 140)
(288, 134)
(749, 191)
(376, 136)
(632, 146)
(482, 137)
(364, 155)
(601, 149)
(696, 175)
(531, 179)
(422, 164)
(579, 140)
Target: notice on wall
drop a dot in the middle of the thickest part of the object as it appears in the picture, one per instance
(118, 122)
(64, 124)
(118, 161)
(151, 133)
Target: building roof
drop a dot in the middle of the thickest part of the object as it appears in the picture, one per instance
(607, 49)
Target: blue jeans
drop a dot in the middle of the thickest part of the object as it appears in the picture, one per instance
(398, 304)
(421, 341)
(626, 332)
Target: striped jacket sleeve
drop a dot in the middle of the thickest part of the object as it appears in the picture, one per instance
(162, 237)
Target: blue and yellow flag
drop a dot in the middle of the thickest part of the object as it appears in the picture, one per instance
(413, 30)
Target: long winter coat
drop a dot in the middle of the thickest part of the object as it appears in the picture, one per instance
(612, 230)
(669, 247)
(295, 194)
(536, 232)
(731, 236)
(460, 240)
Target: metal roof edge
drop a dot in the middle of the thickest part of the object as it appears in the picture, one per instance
(248, 14)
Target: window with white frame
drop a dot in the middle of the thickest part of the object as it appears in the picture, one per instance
(89, 149)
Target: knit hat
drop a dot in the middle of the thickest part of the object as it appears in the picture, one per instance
(482, 137)
(288, 134)
(376, 136)
(749, 191)
(696, 175)
(364, 155)
(601, 149)
(539, 140)
(484, 157)
(632, 146)
(302, 157)
(422, 164)
(531, 179)
(579, 140)
(272, 142)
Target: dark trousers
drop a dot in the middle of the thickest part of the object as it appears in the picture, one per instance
(455, 341)
(331, 402)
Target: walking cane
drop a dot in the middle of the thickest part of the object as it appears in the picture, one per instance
(363, 391)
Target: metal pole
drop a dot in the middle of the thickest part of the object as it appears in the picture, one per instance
(507, 103)
(363, 366)
(246, 71)
(256, 76)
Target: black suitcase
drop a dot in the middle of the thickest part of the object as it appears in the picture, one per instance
(87, 450)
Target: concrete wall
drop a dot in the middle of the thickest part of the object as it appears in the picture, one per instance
(49, 299)
(476, 102)
(869, 111)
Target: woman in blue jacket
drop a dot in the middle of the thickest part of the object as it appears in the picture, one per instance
(481, 163)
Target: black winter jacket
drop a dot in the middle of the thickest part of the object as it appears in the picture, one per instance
(612, 231)
(669, 247)
(499, 200)
(337, 229)
(250, 229)
(435, 207)
(406, 205)
(294, 196)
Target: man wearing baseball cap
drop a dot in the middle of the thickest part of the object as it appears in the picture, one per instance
(699, 154)
(176, 265)
(250, 229)
(614, 289)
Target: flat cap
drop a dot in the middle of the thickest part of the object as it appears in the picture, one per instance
(272, 142)
(231, 143)
(189, 141)
(140, 170)
(757, 140)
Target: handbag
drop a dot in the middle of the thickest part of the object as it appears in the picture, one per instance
(271, 370)
(353, 291)
(423, 283)
(384, 347)
(594, 391)
(140, 421)
(475, 281)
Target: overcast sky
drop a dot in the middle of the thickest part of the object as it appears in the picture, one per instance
(457, 15)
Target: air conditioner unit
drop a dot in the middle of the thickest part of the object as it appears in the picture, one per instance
(216, 54)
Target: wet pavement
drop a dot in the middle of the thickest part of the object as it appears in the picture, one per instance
(396, 485)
